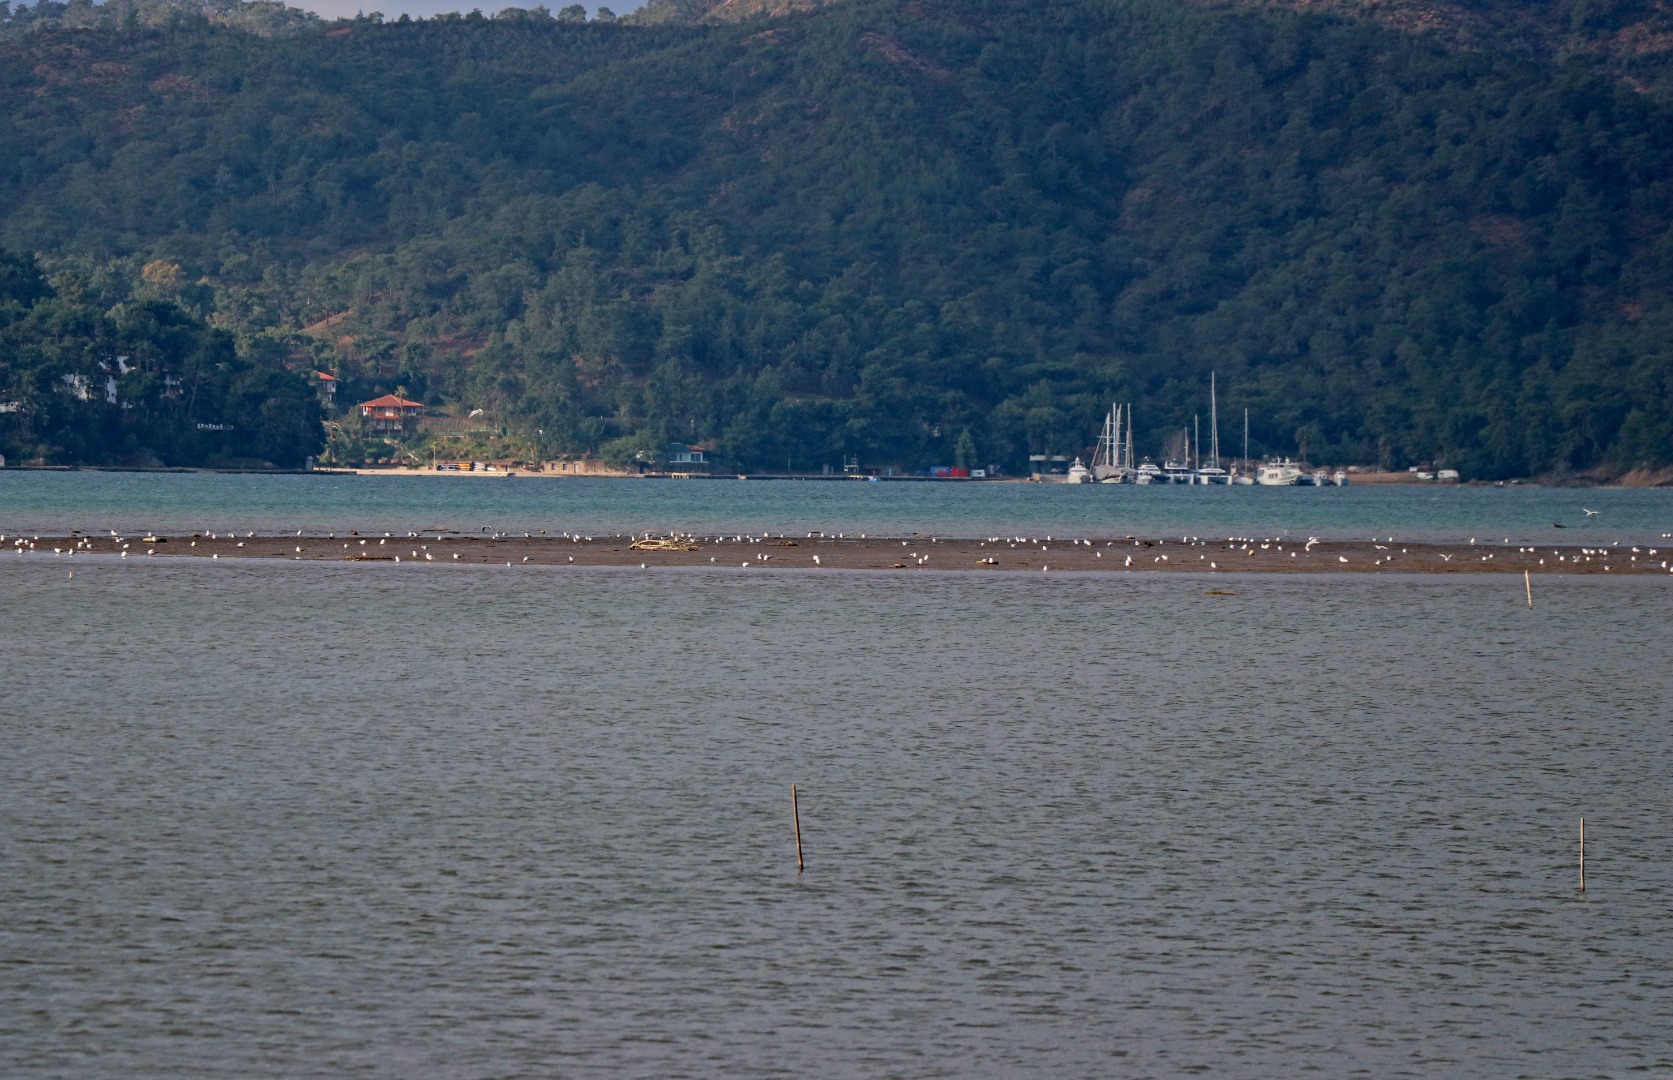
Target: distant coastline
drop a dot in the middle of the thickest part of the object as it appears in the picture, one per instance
(1636, 478)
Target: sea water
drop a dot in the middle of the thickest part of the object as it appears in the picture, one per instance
(48, 502)
(273, 819)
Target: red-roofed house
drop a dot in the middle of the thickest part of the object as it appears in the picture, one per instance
(390, 415)
(327, 388)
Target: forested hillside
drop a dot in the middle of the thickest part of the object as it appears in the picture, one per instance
(1630, 40)
(868, 229)
(141, 384)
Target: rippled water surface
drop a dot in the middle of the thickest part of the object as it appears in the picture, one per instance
(276, 820)
(179, 502)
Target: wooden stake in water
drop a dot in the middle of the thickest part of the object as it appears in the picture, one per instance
(796, 816)
(1582, 854)
(1529, 582)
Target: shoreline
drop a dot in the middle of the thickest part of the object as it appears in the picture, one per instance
(1635, 480)
(920, 553)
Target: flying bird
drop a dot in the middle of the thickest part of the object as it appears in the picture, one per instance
(1589, 513)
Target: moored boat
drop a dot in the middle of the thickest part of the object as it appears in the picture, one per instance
(1112, 460)
(1212, 474)
(1280, 473)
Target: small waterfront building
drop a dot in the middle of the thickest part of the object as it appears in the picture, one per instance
(681, 454)
(391, 415)
(586, 466)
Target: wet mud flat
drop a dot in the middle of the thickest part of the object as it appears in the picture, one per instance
(1199, 555)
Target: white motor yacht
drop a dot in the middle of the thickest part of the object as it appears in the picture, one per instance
(1078, 474)
(1280, 473)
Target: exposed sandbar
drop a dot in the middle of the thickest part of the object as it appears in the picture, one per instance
(905, 554)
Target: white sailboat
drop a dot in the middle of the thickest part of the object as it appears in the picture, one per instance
(1109, 463)
(1127, 453)
(1243, 476)
(1212, 473)
(1178, 470)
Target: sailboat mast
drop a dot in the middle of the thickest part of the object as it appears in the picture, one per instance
(1245, 438)
(1129, 434)
(1213, 422)
(1196, 440)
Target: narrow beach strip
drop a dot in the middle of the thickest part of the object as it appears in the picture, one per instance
(1194, 555)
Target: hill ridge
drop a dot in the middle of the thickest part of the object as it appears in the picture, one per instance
(904, 233)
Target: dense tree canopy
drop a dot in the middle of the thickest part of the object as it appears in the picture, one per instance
(902, 232)
(143, 383)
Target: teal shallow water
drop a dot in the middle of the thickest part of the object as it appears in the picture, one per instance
(271, 819)
(95, 501)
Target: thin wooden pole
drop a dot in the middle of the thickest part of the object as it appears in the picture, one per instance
(796, 816)
(1582, 854)
(1529, 582)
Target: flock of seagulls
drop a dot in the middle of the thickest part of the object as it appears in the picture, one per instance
(1382, 549)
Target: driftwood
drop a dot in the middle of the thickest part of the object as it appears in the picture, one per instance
(659, 544)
